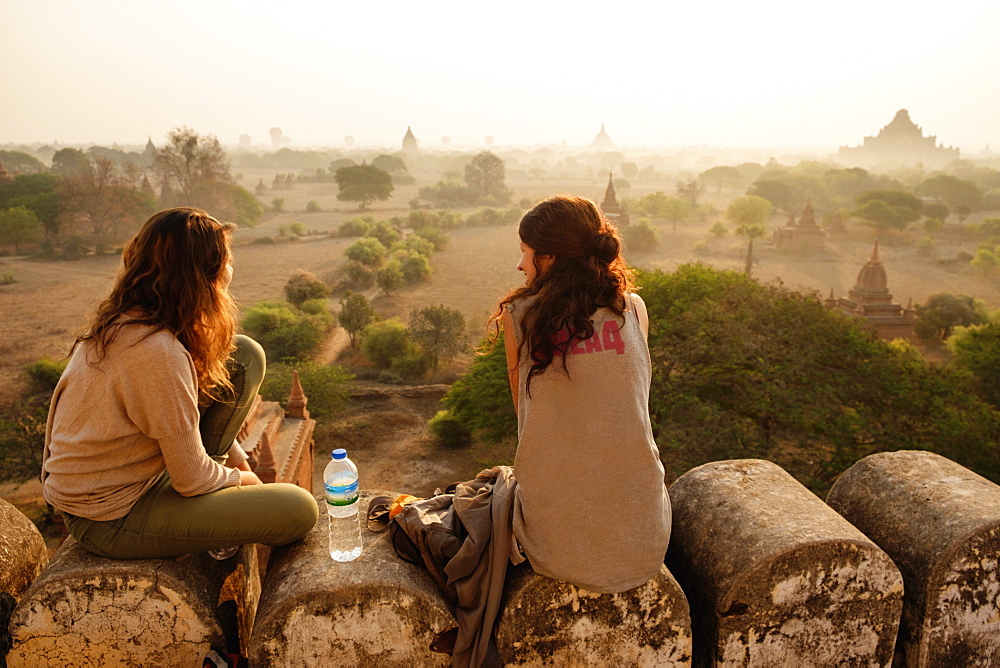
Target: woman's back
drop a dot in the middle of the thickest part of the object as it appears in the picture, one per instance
(592, 508)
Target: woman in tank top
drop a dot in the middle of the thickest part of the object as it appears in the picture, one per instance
(591, 505)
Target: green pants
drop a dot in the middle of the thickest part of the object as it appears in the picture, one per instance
(163, 523)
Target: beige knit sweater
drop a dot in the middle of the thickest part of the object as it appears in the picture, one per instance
(116, 423)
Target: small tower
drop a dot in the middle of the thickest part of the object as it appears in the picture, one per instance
(150, 148)
(261, 189)
(611, 208)
(297, 400)
(409, 141)
(5, 176)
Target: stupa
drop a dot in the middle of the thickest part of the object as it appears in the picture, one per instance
(871, 300)
(900, 142)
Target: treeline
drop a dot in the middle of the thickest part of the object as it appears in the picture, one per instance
(745, 370)
(96, 199)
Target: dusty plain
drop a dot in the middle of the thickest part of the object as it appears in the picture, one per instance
(50, 301)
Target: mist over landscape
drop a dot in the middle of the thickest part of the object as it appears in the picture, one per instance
(783, 178)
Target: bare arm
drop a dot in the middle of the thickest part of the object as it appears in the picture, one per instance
(510, 348)
(642, 314)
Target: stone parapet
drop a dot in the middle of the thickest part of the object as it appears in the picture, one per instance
(940, 522)
(375, 610)
(549, 622)
(774, 576)
(22, 557)
(85, 610)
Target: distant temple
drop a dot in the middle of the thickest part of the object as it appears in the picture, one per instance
(615, 212)
(602, 140)
(409, 141)
(870, 299)
(150, 148)
(261, 189)
(802, 236)
(901, 141)
(836, 226)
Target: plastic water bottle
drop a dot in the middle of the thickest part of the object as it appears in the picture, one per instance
(341, 478)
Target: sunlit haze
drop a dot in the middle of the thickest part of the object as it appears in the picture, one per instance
(777, 73)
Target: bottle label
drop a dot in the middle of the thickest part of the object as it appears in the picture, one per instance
(345, 495)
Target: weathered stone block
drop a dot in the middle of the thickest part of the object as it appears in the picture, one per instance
(774, 576)
(940, 522)
(22, 558)
(546, 621)
(375, 610)
(85, 610)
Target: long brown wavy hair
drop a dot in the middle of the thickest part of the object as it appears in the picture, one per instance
(588, 273)
(173, 277)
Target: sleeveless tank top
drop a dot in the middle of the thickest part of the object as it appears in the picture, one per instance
(591, 505)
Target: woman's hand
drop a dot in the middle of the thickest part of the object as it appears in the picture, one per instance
(249, 478)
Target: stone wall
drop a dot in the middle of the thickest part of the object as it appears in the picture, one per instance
(768, 575)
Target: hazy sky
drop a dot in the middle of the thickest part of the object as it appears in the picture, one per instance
(772, 73)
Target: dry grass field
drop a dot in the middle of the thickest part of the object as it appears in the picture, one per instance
(49, 301)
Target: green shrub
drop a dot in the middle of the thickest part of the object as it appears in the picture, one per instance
(356, 227)
(414, 266)
(44, 374)
(449, 430)
(417, 244)
(261, 241)
(386, 232)
(414, 364)
(434, 235)
(389, 377)
(640, 238)
(368, 251)
(303, 286)
(385, 341)
(298, 228)
(312, 206)
(327, 387)
(360, 276)
(7, 278)
(286, 332)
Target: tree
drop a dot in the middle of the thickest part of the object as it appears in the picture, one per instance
(355, 314)
(722, 177)
(690, 191)
(18, 225)
(390, 277)
(70, 162)
(944, 311)
(192, 165)
(888, 209)
(364, 184)
(977, 350)
(749, 214)
(953, 191)
(485, 174)
(277, 204)
(440, 330)
(390, 163)
(778, 192)
(303, 286)
(96, 197)
(935, 210)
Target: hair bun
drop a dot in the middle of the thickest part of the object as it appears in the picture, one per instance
(604, 246)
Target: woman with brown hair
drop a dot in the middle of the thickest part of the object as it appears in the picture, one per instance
(591, 506)
(140, 453)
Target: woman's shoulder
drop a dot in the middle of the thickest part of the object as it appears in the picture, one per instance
(135, 341)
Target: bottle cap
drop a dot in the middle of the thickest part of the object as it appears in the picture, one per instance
(339, 453)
